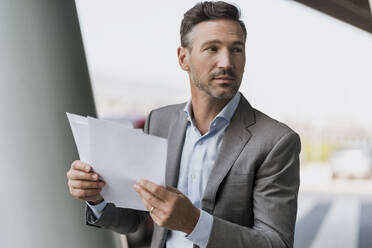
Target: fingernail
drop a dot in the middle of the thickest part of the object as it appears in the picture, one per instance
(135, 186)
(87, 168)
(95, 176)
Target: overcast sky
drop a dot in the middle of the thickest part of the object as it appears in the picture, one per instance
(301, 64)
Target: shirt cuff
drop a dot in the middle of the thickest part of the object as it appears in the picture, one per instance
(202, 230)
(97, 209)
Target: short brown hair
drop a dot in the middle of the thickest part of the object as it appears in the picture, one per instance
(205, 11)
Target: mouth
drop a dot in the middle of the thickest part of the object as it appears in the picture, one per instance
(224, 79)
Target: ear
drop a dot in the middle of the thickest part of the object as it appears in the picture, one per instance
(183, 58)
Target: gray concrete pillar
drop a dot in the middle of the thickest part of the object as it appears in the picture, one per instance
(43, 74)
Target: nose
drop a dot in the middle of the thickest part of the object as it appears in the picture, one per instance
(224, 59)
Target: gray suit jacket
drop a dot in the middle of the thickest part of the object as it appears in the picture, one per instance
(252, 189)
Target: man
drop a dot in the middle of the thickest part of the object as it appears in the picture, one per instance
(232, 172)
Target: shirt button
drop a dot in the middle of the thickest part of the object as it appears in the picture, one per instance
(214, 124)
(193, 177)
(201, 142)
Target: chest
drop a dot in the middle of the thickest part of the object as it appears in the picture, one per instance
(198, 157)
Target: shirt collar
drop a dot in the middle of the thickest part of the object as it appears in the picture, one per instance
(226, 113)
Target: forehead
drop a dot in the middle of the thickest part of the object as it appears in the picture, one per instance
(226, 31)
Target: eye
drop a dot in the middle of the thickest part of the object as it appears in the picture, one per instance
(237, 50)
(211, 49)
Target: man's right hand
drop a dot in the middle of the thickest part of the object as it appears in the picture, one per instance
(83, 183)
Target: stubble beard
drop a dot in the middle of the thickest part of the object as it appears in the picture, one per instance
(213, 91)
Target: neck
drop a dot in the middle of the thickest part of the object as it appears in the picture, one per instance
(205, 109)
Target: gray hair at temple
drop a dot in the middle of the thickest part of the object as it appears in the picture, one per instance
(205, 11)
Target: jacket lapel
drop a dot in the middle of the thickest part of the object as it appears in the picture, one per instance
(235, 138)
(176, 139)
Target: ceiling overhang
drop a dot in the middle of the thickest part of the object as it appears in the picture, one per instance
(354, 12)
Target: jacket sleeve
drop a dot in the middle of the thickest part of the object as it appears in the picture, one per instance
(274, 202)
(120, 220)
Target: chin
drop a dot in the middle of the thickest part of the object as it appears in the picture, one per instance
(227, 91)
(225, 94)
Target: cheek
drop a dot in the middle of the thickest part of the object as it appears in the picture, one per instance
(240, 66)
(202, 70)
(239, 59)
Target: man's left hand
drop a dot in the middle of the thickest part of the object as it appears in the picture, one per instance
(170, 208)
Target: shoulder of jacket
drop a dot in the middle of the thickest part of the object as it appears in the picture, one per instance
(266, 121)
(270, 130)
(161, 119)
(169, 110)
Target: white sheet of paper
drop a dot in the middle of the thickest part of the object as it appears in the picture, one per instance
(121, 156)
(125, 122)
(80, 131)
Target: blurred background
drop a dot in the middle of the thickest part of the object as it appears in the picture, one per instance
(309, 65)
(304, 67)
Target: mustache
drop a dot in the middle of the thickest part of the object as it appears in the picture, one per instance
(223, 72)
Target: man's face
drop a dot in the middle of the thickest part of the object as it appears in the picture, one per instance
(216, 61)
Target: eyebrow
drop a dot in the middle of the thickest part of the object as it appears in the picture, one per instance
(219, 42)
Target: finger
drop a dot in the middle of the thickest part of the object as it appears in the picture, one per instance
(80, 175)
(150, 198)
(78, 165)
(83, 194)
(156, 219)
(80, 184)
(174, 190)
(156, 212)
(92, 199)
(157, 190)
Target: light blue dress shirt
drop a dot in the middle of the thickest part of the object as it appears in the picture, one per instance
(198, 158)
